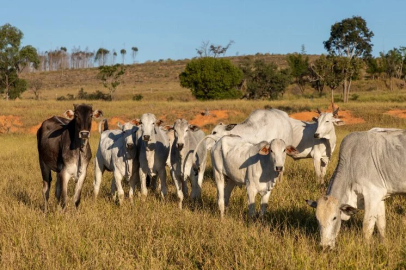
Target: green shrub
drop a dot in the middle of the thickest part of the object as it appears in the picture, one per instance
(138, 97)
(211, 78)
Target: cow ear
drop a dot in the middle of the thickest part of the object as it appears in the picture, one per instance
(69, 114)
(167, 127)
(97, 114)
(120, 126)
(230, 127)
(311, 203)
(194, 128)
(338, 122)
(291, 150)
(315, 119)
(135, 122)
(159, 122)
(264, 148)
(348, 209)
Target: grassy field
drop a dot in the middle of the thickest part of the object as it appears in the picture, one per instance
(156, 234)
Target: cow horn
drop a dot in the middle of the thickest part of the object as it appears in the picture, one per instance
(335, 112)
(318, 111)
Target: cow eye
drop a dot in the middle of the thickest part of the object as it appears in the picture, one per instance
(284, 150)
(214, 132)
(334, 218)
(271, 151)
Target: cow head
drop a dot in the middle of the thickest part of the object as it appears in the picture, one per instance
(82, 115)
(328, 214)
(181, 129)
(129, 129)
(148, 123)
(218, 131)
(326, 122)
(278, 150)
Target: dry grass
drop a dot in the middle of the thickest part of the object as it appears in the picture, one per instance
(155, 234)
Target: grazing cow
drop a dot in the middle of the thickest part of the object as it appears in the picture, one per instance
(316, 140)
(153, 151)
(255, 165)
(370, 169)
(117, 153)
(261, 125)
(185, 142)
(63, 147)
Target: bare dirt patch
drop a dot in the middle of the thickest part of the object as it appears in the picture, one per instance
(10, 124)
(214, 117)
(343, 115)
(397, 113)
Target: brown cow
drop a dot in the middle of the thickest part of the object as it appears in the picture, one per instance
(63, 147)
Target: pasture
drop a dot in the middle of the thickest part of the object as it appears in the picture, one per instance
(155, 234)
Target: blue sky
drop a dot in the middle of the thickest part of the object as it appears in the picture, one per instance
(175, 28)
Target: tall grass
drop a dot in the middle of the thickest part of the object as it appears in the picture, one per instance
(157, 235)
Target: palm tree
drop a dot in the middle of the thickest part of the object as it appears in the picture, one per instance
(123, 52)
(135, 50)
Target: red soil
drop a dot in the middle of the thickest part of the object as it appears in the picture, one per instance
(343, 115)
(397, 113)
(10, 123)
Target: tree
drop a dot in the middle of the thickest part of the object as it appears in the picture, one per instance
(35, 86)
(101, 56)
(392, 64)
(351, 39)
(110, 77)
(13, 59)
(211, 78)
(134, 54)
(264, 80)
(299, 69)
(123, 53)
(213, 50)
(114, 56)
(374, 67)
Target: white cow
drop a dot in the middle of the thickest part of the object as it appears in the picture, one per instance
(186, 139)
(153, 150)
(117, 153)
(238, 162)
(316, 140)
(370, 169)
(261, 125)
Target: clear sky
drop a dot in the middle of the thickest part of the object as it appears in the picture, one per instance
(175, 28)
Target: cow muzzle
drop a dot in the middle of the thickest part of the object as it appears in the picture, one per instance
(317, 135)
(146, 138)
(84, 134)
(180, 146)
(130, 145)
(279, 168)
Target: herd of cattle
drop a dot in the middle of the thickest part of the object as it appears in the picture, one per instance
(251, 153)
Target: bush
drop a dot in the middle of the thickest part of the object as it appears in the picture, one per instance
(138, 97)
(98, 95)
(211, 78)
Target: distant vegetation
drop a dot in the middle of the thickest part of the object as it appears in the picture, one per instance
(347, 60)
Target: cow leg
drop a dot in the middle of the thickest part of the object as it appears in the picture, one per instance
(117, 180)
(177, 181)
(143, 180)
(58, 187)
(381, 220)
(251, 193)
(372, 209)
(323, 168)
(162, 177)
(219, 177)
(65, 177)
(197, 185)
(228, 189)
(134, 179)
(46, 183)
(79, 185)
(317, 164)
(98, 174)
(113, 189)
(264, 203)
(185, 188)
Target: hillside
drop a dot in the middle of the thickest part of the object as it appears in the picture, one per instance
(147, 79)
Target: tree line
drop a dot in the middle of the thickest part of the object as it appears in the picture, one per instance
(348, 49)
